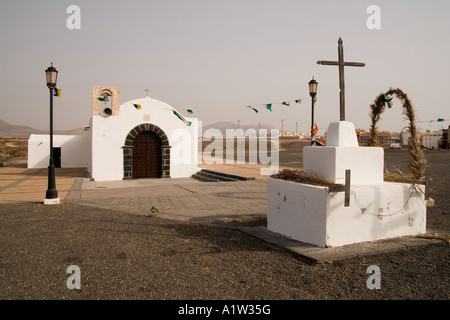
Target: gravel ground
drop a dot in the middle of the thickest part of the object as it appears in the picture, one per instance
(126, 256)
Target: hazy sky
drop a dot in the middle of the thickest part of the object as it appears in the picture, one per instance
(218, 56)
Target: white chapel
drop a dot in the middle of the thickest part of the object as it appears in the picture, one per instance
(141, 138)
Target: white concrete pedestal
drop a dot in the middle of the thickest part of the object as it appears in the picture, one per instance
(378, 210)
(313, 215)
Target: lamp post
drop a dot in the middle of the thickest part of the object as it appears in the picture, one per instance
(51, 196)
(312, 92)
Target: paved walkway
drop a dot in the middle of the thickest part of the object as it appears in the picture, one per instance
(223, 204)
(20, 184)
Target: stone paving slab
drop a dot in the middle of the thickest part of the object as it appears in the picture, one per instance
(315, 254)
(20, 184)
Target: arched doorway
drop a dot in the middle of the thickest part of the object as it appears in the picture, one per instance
(147, 156)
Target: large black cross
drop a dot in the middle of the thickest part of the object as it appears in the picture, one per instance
(341, 65)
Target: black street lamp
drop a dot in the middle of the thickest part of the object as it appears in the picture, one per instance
(51, 196)
(312, 92)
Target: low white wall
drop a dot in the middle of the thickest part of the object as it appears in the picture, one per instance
(310, 214)
(297, 211)
(75, 151)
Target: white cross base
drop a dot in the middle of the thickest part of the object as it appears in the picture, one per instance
(377, 210)
(341, 153)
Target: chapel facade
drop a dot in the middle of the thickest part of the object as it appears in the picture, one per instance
(141, 138)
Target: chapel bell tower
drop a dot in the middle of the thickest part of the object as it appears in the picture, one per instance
(105, 101)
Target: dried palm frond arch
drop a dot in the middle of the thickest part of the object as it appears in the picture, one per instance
(417, 163)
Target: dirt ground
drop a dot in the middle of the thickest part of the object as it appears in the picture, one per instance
(12, 149)
(126, 256)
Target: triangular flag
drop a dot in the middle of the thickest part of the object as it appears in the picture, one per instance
(269, 106)
(137, 106)
(252, 108)
(101, 98)
(188, 123)
(189, 111)
(387, 100)
(440, 119)
(318, 143)
(315, 129)
(298, 101)
(286, 103)
(57, 92)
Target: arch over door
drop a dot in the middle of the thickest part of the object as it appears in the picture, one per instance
(129, 146)
(147, 155)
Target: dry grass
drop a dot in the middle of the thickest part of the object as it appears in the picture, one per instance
(400, 177)
(11, 149)
(417, 163)
(309, 177)
(302, 176)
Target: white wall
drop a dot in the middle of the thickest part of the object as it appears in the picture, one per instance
(311, 214)
(343, 153)
(75, 152)
(366, 164)
(109, 134)
(431, 142)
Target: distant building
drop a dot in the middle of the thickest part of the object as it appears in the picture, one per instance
(384, 138)
(432, 140)
(445, 143)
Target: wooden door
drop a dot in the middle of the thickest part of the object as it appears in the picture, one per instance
(147, 156)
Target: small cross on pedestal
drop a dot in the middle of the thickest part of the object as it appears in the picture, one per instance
(146, 92)
(341, 65)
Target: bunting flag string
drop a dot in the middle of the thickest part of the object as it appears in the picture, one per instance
(188, 123)
(57, 92)
(269, 106)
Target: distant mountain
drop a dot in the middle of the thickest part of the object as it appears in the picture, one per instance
(223, 126)
(13, 131)
(23, 132)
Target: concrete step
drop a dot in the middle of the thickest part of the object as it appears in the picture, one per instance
(207, 175)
